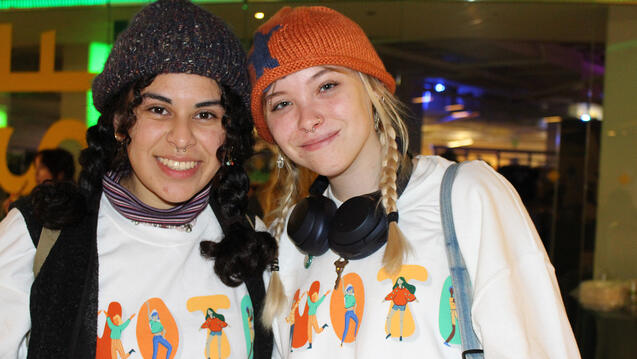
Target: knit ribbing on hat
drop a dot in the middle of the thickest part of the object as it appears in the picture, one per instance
(298, 38)
(173, 36)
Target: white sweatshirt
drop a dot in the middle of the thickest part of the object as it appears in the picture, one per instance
(141, 269)
(517, 309)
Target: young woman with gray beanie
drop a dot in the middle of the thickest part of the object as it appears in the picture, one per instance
(157, 226)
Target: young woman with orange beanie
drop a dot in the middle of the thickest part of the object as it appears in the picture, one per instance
(323, 96)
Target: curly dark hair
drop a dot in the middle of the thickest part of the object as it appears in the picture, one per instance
(243, 253)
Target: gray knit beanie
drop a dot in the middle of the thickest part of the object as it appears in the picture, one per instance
(173, 36)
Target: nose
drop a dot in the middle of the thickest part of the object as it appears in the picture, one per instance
(309, 120)
(181, 135)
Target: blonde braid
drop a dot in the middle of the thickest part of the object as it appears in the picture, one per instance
(397, 245)
(276, 299)
(293, 184)
(388, 111)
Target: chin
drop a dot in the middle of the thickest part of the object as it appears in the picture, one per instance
(329, 171)
(176, 199)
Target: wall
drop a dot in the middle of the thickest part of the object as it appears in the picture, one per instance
(616, 242)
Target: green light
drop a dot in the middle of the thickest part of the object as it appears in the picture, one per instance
(3, 116)
(92, 115)
(97, 56)
(34, 4)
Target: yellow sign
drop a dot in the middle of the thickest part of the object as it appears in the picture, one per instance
(45, 80)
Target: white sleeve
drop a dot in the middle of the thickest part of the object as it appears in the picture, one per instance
(517, 307)
(16, 276)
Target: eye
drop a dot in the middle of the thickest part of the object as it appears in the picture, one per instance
(207, 115)
(280, 105)
(157, 110)
(327, 86)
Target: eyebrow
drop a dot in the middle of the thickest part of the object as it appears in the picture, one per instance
(321, 72)
(169, 101)
(157, 97)
(208, 103)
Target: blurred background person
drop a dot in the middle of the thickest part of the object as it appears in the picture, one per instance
(50, 165)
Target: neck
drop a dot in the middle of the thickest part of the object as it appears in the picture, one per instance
(361, 177)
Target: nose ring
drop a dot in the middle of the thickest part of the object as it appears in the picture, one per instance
(314, 126)
(183, 149)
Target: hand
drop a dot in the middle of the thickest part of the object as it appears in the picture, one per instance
(131, 317)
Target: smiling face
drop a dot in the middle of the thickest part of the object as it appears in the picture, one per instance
(321, 118)
(174, 140)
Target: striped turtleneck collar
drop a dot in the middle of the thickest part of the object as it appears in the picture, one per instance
(135, 210)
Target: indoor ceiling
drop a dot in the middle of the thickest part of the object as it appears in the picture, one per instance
(530, 59)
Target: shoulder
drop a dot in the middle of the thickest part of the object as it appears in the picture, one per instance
(24, 206)
(13, 228)
(478, 175)
(478, 185)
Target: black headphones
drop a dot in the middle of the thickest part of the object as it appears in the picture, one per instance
(355, 230)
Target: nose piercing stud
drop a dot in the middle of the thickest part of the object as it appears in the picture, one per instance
(314, 126)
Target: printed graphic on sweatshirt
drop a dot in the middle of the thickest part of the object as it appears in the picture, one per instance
(347, 305)
(399, 323)
(247, 315)
(157, 333)
(302, 327)
(448, 317)
(110, 345)
(216, 345)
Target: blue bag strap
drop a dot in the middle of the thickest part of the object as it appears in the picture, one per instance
(462, 291)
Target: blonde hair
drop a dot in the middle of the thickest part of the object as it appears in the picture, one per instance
(390, 112)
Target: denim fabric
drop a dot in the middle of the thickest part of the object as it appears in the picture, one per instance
(459, 276)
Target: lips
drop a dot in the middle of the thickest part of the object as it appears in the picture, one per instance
(316, 143)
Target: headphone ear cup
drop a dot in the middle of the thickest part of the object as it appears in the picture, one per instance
(309, 224)
(359, 227)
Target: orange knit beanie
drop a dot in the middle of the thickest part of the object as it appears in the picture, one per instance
(298, 38)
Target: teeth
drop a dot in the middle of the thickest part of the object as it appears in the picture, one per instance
(177, 165)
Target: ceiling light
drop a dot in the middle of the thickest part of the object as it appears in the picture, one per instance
(456, 107)
(552, 119)
(259, 15)
(460, 143)
(425, 98)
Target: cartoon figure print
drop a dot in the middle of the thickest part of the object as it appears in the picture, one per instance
(215, 323)
(454, 316)
(448, 316)
(291, 317)
(402, 293)
(117, 327)
(350, 310)
(158, 332)
(250, 315)
(313, 302)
